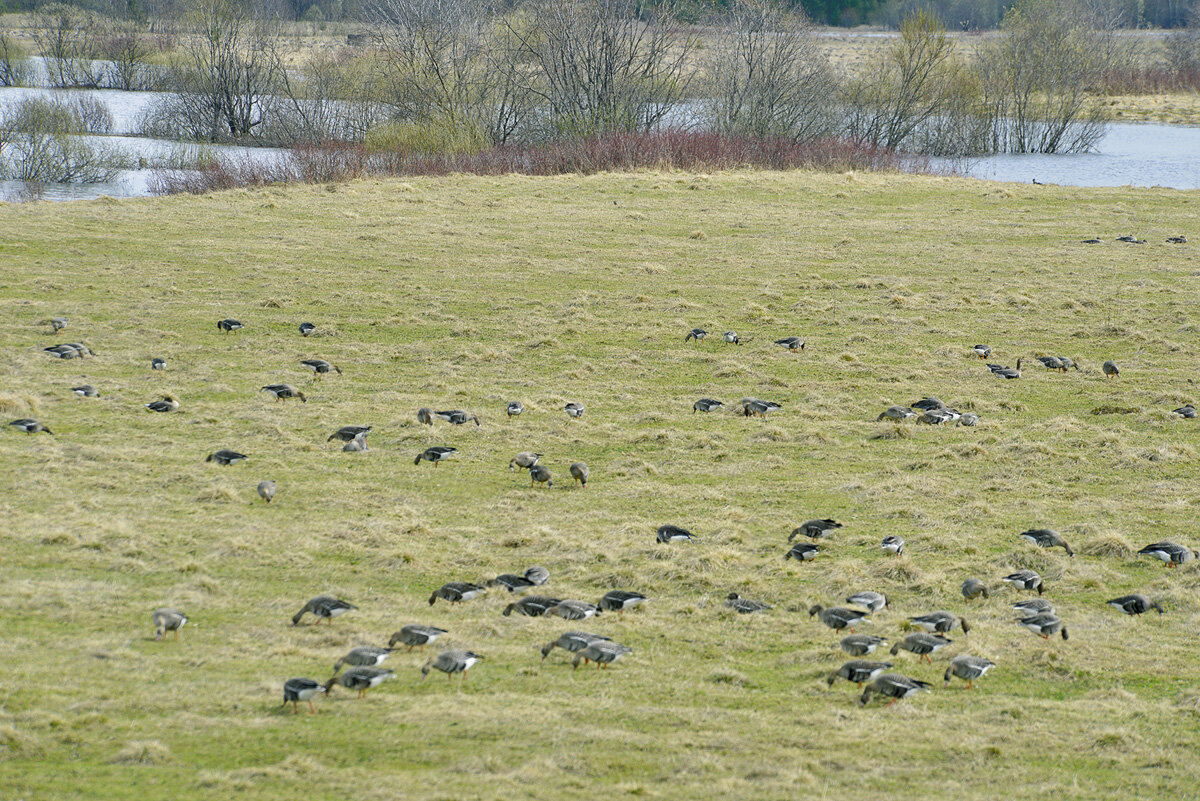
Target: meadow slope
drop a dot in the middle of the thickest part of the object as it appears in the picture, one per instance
(470, 292)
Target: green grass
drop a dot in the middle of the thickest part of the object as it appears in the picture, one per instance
(469, 292)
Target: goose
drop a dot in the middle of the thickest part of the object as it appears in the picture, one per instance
(158, 364)
(580, 472)
(1044, 625)
(1177, 240)
(602, 652)
(30, 426)
(669, 533)
(803, 552)
(169, 403)
(457, 417)
(167, 620)
(929, 403)
(1033, 606)
(226, 457)
(574, 409)
(532, 606)
(1133, 240)
(982, 351)
(858, 671)
(514, 408)
(573, 642)
(229, 324)
(356, 445)
(64, 352)
(935, 417)
(435, 454)
(969, 419)
(894, 686)
(363, 656)
(754, 407)
(297, 690)
(968, 668)
(523, 460)
(574, 610)
(511, 582)
(922, 644)
(732, 338)
(320, 367)
(1110, 369)
(306, 329)
(1046, 538)
(794, 344)
(57, 324)
(1188, 411)
(940, 622)
(620, 600)
(415, 636)
(360, 679)
(706, 405)
(1024, 580)
(538, 575)
(893, 545)
(696, 334)
(815, 529)
(1092, 241)
(1052, 363)
(451, 662)
(870, 599)
(897, 413)
(973, 588)
(86, 391)
(284, 391)
(861, 644)
(1170, 553)
(539, 475)
(1135, 604)
(1006, 372)
(838, 617)
(1069, 364)
(745, 606)
(349, 433)
(323, 606)
(456, 592)
(266, 490)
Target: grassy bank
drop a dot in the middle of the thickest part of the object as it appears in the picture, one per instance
(470, 292)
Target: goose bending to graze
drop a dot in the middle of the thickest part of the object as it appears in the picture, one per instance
(457, 417)
(1177, 240)
(1033, 606)
(348, 433)
(1044, 625)
(1172, 554)
(756, 407)
(602, 652)
(580, 472)
(523, 460)
(1052, 363)
(621, 600)
(284, 391)
(320, 367)
(229, 324)
(929, 403)
(415, 636)
(858, 671)
(86, 391)
(574, 409)
(794, 344)
(226, 457)
(363, 656)
(893, 545)
(861, 644)
(538, 575)
(1110, 369)
(67, 351)
(574, 610)
(360, 679)
(982, 351)
(266, 490)
(532, 606)
(922, 644)
(940, 622)
(511, 582)
(1024, 580)
(167, 620)
(815, 529)
(514, 408)
(306, 329)
(696, 334)
(425, 416)
(803, 552)
(451, 662)
(669, 533)
(732, 338)
(706, 405)
(323, 606)
(935, 417)
(1006, 372)
(969, 419)
(158, 364)
(57, 324)
(1135, 604)
(1046, 538)
(968, 668)
(894, 686)
(896, 413)
(456, 592)
(302, 689)
(356, 445)
(539, 475)
(838, 617)
(1188, 411)
(573, 642)
(744, 606)
(30, 426)
(169, 403)
(435, 454)
(973, 588)
(870, 599)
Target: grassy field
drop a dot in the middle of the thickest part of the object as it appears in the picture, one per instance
(467, 293)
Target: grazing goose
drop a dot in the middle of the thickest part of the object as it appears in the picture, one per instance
(320, 367)
(838, 617)
(935, 417)
(1110, 369)
(323, 606)
(858, 671)
(1177, 240)
(1188, 411)
(620, 600)
(363, 656)
(969, 419)
(1052, 363)
(57, 324)
(870, 599)
(86, 391)
(451, 662)
(283, 391)
(1044, 625)
(524, 460)
(538, 575)
(1006, 372)
(30, 426)
(1069, 364)
(1033, 606)
(511, 582)
(415, 636)
(1046, 538)
(229, 324)
(514, 408)
(732, 338)
(360, 679)
(297, 690)
(169, 403)
(435, 454)
(574, 409)
(940, 622)
(893, 545)
(696, 334)
(64, 352)
(580, 472)
(1024, 580)
(456, 592)
(573, 642)
(968, 668)
(669, 533)
(539, 475)
(922, 644)
(1135, 604)
(532, 606)
(754, 407)
(815, 529)
(457, 417)
(602, 652)
(972, 588)
(349, 433)
(167, 620)
(266, 490)
(1172, 554)
(982, 351)
(861, 644)
(896, 413)
(306, 329)
(158, 364)
(744, 606)
(803, 552)
(706, 405)
(794, 344)
(356, 445)
(574, 610)
(894, 686)
(929, 404)
(226, 457)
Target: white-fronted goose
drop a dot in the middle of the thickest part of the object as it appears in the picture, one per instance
(968, 668)
(306, 329)
(523, 460)
(1046, 538)
(696, 334)
(861, 644)
(1006, 372)
(451, 662)
(580, 472)
(348, 433)
(511, 582)
(838, 617)
(168, 403)
(1135, 604)
(706, 405)
(229, 324)
(794, 344)
(415, 636)
(1044, 625)
(620, 600)
(284, 391)
(1172, 554)
(732, 337)
(158, 364)
(538, 575)
(363, 656)
(745, 606)
(572, 642)
(1069, 364)
(532, 606)
(858, 671)
(815, 529)
(1187, 412)
(922, 644)
(266, 490)
(167, 620)
(1024, 580)
(892, 544)
(86, 391)
(514, 408)
(602, 652)
(894, 686)
(669, 533)
(540, 475)
(356, 445)
(30, 426)
(574, 610)
(57, 324)
(929, 403)
(940, 622)
(803, 552)
(456, 592)
(360, 679)
(870, 599)
(1110, 369)
(982, 351)
(323, 606)
(457, 417)
(435, 454)
(1052, 363)
(1033, 606)
(67, 351)
(226, 457)
(574, 409)
(756, 407)
(302, 689)
(968, 419)
(320, 367)
(896, 413)
(973, 588)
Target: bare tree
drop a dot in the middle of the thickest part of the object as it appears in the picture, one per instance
(66, 38)
(127, 52)
(14, 69)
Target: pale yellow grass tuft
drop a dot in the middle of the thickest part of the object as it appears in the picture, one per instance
(12, 404)
(698, 234)
(141, 752)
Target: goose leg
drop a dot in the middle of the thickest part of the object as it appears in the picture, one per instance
(312, 710)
